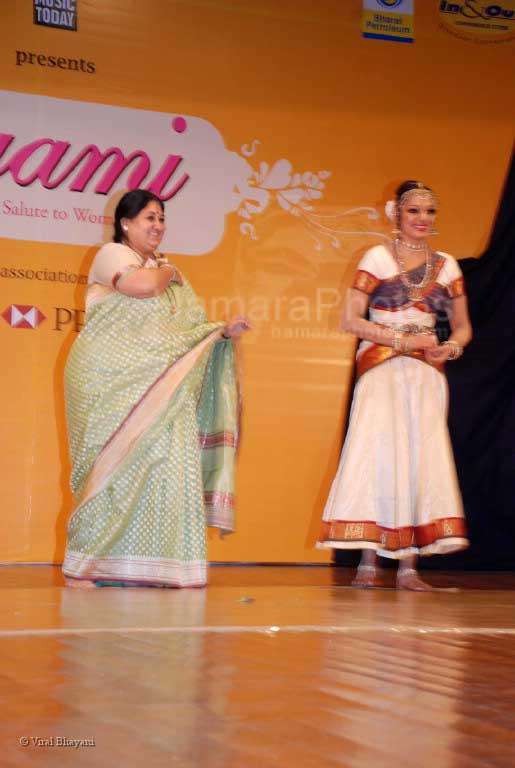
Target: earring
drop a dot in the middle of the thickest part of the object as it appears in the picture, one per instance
(434, 231)
(125, 228)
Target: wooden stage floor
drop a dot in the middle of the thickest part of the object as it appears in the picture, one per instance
(269, 666)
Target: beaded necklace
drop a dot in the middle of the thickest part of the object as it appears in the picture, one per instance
(411, 246)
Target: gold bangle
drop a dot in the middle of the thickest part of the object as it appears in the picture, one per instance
(397, 341)
(401, 341)
(405, 343)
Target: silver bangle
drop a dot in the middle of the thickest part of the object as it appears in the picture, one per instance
(456, 349)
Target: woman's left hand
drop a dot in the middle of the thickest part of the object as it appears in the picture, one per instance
(236, 326)
(438, 355)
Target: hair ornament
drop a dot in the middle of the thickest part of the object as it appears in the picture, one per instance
(390, 210)
(419, 191)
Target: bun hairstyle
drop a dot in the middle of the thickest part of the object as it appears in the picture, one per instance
(129, 206)
(410, 186)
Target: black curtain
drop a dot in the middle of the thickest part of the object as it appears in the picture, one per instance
(482, 403)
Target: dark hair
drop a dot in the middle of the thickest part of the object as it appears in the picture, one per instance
(129, 206)
(408, 186)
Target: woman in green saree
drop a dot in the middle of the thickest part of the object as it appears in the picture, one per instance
(152, 411)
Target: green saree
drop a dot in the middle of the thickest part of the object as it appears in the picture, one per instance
(152, 410)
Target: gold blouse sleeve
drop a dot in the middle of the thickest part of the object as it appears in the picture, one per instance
(456, 288)
(364, 281)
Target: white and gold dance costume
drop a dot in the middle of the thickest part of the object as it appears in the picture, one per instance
(396, 489)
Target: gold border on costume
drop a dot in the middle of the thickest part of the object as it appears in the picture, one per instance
(457, 288)
(377, 354)
(421, 537)
(365, 282)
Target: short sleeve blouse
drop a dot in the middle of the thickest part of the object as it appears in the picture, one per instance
(111, 262)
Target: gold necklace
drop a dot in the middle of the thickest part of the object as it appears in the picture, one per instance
(415, 290)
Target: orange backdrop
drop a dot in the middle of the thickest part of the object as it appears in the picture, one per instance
(299, 77)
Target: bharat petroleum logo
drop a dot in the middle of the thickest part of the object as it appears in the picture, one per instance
(23, 316)
(390, 4)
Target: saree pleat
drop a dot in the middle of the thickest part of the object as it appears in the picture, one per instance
(146, 381)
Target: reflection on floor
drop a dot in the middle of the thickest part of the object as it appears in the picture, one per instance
(270, 666)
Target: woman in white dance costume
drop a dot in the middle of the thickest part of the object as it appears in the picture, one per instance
(396, 493)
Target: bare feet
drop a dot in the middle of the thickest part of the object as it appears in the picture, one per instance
(408, 578)
(79, 583)
(366, 577)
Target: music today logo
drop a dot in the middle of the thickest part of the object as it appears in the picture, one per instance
(61, 14)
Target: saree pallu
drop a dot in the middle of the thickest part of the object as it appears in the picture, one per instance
(152, 411)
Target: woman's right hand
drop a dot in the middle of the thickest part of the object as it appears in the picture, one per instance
(416, 341)
(236, 326)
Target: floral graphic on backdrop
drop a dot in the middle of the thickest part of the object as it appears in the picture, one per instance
(295, 192)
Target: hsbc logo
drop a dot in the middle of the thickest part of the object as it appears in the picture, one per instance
(27, 316)
(23, 316)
